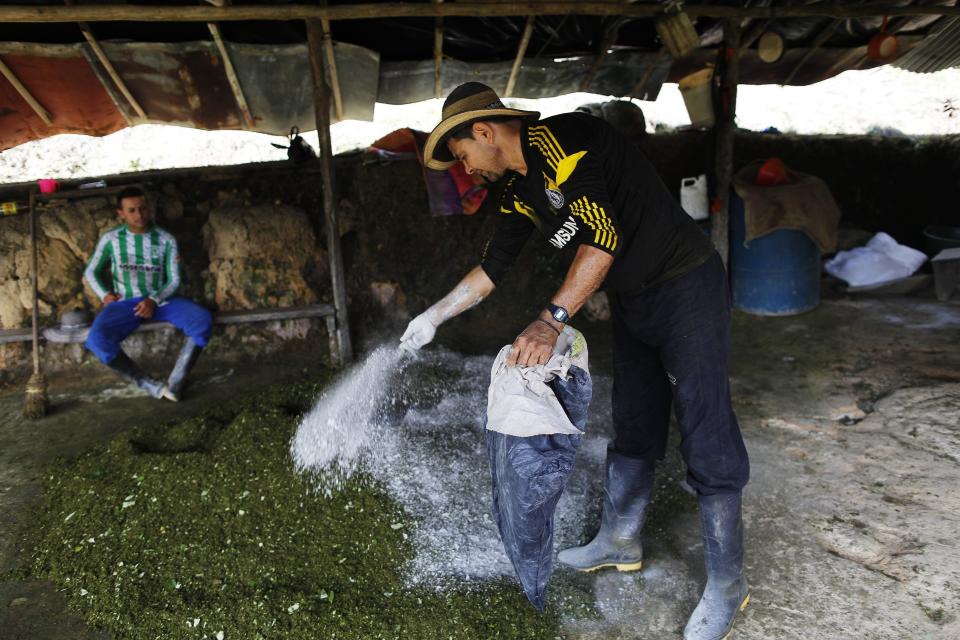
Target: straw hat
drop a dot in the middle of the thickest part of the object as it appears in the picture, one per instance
(466, 104)
(74, 326)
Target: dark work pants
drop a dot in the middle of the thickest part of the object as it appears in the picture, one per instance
(671, 345)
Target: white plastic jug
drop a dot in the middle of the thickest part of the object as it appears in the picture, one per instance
(693, 197)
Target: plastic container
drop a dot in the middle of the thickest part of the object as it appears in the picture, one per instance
(695, 89)
(48, 185)
(693, 197)
(777, 274)
(939, 237)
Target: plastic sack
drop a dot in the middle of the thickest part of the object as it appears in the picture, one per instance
(530, 460)
(880, 260)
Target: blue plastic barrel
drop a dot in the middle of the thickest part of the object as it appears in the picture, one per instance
(777, 274)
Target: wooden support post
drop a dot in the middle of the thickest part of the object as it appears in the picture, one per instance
(725, 128)
(521, 52)
(821, 38)
(25, 94)
(438, 55)
(111, 71)
(321, 106)
(34, 277)
(332, 69)
(231, 75)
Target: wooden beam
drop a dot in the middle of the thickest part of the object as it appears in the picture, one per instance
(521, 52)
(332, 69)
(753, 34)
(607, 40)
(25, 94)
(437, 54)
(231, 74)
(203, 13)
(111, 71)
(646, 75)
(321, 106)
(818, 42)
(725, 128)
(108, 86)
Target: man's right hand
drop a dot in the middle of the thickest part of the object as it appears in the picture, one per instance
(110, 297)
(419, 332)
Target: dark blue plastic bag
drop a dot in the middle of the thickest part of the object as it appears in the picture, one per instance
(528, 476)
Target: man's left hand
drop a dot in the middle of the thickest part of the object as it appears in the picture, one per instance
(534, 346)
(146, 307)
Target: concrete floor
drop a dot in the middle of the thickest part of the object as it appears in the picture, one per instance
(851, 414)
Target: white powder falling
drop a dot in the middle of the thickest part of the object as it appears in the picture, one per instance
(335, 435)
(417, 427)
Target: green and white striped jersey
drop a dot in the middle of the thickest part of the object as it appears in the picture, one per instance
(142, 264)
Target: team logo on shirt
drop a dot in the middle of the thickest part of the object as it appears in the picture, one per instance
(565, 233)
(554, 197)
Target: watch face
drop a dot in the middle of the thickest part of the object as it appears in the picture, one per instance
(560, 314)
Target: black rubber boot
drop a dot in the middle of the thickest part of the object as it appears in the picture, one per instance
(128, 370)
(627, 491)
(185, 361)
(726, 593)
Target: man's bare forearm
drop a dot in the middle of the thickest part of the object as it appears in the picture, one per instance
(468, 293)
(584, 277)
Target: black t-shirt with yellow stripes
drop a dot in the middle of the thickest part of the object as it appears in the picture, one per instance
(588, 184)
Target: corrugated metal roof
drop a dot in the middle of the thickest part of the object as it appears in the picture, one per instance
(939, 50)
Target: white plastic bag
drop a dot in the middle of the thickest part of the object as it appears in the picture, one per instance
(880, 260)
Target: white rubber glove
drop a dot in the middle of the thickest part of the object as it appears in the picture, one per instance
(419, 332)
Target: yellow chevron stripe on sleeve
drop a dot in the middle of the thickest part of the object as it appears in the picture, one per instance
(566, 166)
(553, 141)
(596, 219)
(549, 140)
(549, 155)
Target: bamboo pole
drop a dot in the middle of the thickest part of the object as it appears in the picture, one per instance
(437, 54)
(111, 71)
(25, 94)
(107, 85)
(646, 75)
(231, 75)
(818, 42)
(725, 129)
(521, 52)
(332, 69)
(321, 105)
(607, 41)
(204, 13)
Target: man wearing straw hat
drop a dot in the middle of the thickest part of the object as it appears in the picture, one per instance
(145, 267)
(578, 182)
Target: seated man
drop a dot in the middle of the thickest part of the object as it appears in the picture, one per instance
(145, 269)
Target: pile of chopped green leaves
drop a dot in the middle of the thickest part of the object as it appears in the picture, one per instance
(202, 529)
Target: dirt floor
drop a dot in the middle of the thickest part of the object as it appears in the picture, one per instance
(851, 414)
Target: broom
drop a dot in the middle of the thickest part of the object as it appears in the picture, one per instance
(35, 403)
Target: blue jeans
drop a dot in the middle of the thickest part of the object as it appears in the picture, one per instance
(116, 321)
(671, 346)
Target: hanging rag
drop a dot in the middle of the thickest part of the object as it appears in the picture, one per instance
(536, 418)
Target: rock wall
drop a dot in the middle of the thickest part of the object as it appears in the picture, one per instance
(259, 255)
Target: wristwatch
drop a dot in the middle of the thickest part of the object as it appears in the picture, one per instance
(559, 313)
